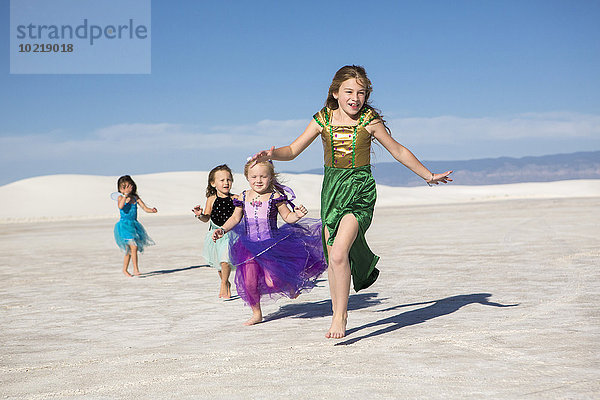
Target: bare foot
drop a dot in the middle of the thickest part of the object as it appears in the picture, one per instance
(127, 273)
(338, 328)
(256, 319)
(136, 272)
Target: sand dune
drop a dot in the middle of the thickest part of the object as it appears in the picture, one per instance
(64, 197)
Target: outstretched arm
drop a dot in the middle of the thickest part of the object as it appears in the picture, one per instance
(405, 156)
(204, 215)
(291, 151)
(145, 207)
(235, 219)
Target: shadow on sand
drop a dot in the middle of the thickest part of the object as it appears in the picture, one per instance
(436, 308)
(170, 271)
(322, 308)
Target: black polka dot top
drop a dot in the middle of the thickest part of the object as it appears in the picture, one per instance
(222, 209)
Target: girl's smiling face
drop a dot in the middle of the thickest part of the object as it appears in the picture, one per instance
(222, 182)
(259, 178)
(351, 97)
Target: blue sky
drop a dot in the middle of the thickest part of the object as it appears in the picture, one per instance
(455, 80)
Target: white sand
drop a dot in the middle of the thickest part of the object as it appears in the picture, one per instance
(59, 197)
(476, 299)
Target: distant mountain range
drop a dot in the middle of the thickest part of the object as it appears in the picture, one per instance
(494, 171)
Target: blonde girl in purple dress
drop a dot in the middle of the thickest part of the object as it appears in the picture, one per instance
(271, 260)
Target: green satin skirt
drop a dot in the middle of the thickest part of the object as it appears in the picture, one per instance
(351, 191)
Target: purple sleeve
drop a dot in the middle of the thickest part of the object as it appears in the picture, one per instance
(281, 198)
(284, 198)
(237, 203)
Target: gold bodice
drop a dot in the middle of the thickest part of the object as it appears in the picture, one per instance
(346, 146)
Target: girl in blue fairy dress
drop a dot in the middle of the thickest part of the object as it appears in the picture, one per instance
(130, 235)
(219, 207)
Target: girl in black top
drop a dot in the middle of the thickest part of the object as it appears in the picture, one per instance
(219, 207)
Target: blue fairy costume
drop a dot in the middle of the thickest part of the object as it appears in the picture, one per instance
(217, 252)
(129, 231)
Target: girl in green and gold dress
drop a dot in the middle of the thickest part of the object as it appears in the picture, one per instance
(347, 126)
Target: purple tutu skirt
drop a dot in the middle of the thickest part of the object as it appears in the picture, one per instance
(286, 265)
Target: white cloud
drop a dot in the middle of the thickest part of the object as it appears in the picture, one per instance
(168, 140)
(141, 138)
(145, 137)
(451, 129)
(176, 136)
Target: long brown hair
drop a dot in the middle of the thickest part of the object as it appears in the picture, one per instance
(210, 190)
(360, 74)
(343, 74)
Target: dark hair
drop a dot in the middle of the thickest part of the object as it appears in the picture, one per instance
(360, 74)
(211, 191)
(127, 179)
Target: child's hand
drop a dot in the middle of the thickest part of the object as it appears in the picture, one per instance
(300, 211)
(126, 189)
(218, 234)
(437, 178)
(197, 210)
(153, 210)
(261, 156)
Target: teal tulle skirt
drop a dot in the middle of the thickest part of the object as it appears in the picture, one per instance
(130, 231)
(217, 252)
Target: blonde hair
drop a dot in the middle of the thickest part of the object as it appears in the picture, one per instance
(269, 164)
